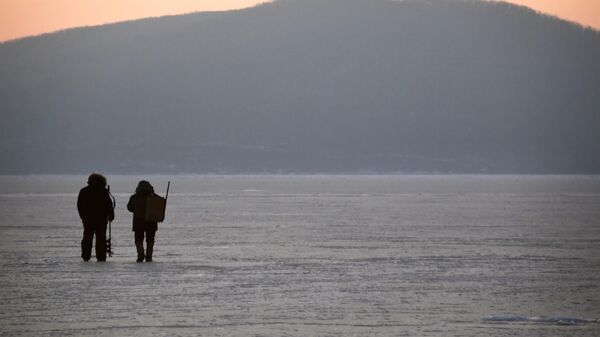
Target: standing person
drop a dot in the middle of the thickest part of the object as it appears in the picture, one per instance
(137, 205)
(95, 207)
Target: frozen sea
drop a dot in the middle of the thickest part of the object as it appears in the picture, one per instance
(310, 256)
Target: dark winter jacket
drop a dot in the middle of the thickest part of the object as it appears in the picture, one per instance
(95, 205)
(137, 205)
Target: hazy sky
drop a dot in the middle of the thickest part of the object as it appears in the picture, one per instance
(19, 18)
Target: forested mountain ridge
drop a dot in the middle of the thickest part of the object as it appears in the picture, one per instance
(340, 86)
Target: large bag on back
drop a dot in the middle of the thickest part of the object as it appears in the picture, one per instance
(155, 209)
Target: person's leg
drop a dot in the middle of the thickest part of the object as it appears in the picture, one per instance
(86, 242)
(139, 245)
(101, 242)
(149, 245)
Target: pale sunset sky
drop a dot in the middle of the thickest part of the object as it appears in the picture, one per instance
(21, 18)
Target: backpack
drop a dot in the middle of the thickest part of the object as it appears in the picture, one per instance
(155, 208)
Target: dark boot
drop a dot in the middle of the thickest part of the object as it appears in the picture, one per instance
(140, 251)
(149, 251)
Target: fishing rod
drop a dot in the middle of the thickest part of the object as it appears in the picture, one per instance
(108, 241)
(166, 198)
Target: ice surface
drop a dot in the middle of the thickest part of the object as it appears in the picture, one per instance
(310, 256)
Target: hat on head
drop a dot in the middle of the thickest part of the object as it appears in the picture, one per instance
(144, 187)
(96, 179)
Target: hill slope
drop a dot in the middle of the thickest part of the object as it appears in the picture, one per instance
(308, 86)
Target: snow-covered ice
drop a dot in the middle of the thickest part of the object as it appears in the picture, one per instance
(310, 256)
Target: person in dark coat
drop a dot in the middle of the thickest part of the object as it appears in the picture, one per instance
(141, 227)
(95, 207)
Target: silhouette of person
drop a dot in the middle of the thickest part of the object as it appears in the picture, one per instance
(137, 205)
(95, 207)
